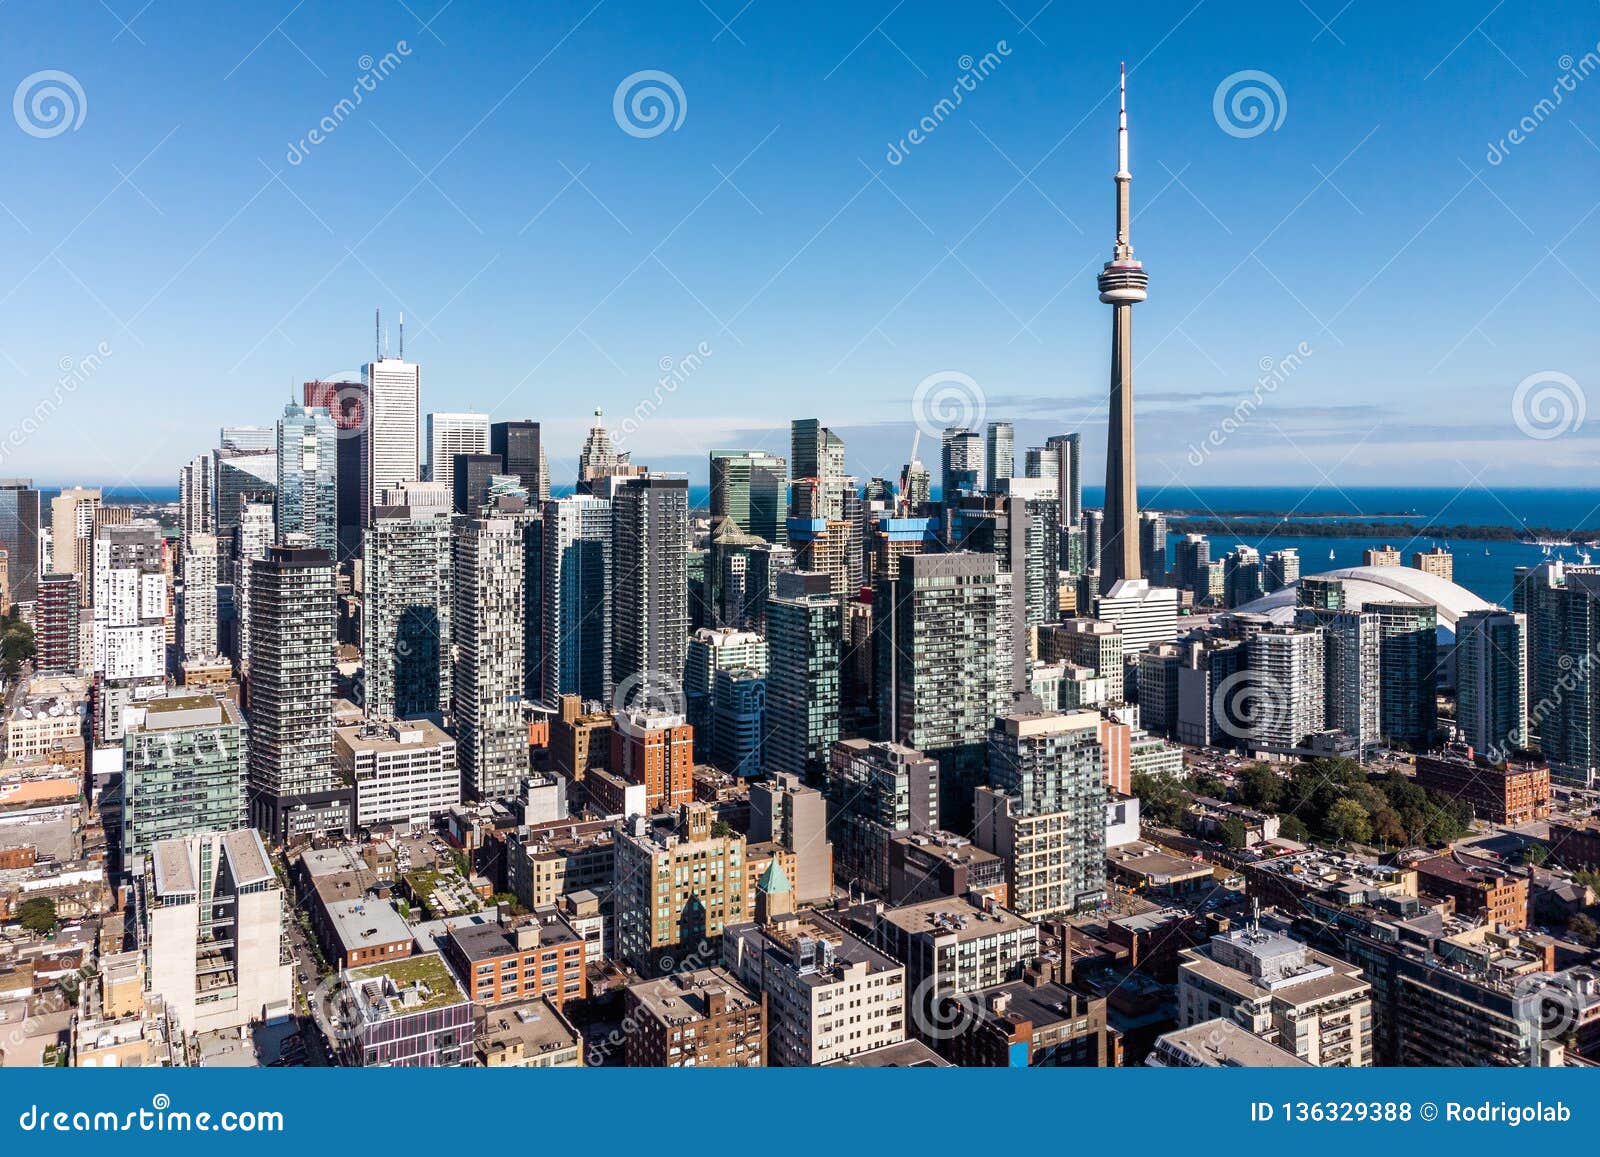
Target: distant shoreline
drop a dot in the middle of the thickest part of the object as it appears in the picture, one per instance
(1318, 527)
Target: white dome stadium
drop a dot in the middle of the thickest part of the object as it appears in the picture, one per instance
(1378, 584)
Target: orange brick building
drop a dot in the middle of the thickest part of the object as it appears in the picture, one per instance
(657, 750)
(519, 960)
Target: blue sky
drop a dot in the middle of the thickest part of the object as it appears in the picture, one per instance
(548, 261)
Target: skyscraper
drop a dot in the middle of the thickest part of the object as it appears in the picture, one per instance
(750, 487)
(130, 620)
(346, 403)
(1280, 569)
(394, 393)
(252, 538)
(1291, 661)
(405, 617)
(452, 434)
(184, 770)
(1492, 681)
(19, 537)
(576, 634)
(195, 514)
(246, 439)
(1122, 283)
(200, 597)
(1562, 605)
(491, 737)
(1408, 672)
(999, 454)
(1352, 648)
(471, 474)
(1191, 556)
(650, 588)
(241, 476)
(1044, 809)
(803, 643)
(960, 463)
(710, 650)
(56, 614)
(1068, 450)
(77, 511)
(308, 479)
(1153, 547)
(817, 452)
(295, 789)
(522, 452)
(943, 665)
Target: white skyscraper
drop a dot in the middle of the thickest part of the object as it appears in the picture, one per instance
(255, 533)
(452, 434)
(390, 455)
(200, 597)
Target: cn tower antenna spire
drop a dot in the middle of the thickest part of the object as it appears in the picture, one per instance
(1123, 177)
(1123, 282)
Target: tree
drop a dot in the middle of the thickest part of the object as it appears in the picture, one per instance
(1584, 929)
(1535, 854)
(1292, 827)
(1261, 788)
(16, 645)
(38, 915)
(1234, 834)
(1348, 820)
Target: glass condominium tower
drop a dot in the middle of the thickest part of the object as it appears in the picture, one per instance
(308, 481)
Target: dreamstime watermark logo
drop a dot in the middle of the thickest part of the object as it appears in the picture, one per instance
(1248, 103)
(973, 73)
(1548, 1003)
(48, 103)
(674, 372)
(344, 396)
(1573, 73)
(943, 1015)
(158, 1117)
(333, 1007)
(648, 103)
(702, 955)
(1575, 673)
(1249, 704)
(373, 73)
(655, 692)
(73, 372)
(945, 399)
(1548, 404)
(1274, 372)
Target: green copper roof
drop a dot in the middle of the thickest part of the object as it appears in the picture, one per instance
(773, 879)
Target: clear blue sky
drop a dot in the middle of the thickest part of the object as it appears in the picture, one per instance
(549, 260)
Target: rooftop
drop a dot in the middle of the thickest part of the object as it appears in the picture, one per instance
(399, 987)
(959, 918)
(1220, 1043)
(537, 1026)
(363, 923)
(685, 996)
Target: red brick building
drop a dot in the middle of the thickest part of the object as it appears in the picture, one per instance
(1513, 792)
(519, 960)
(657, 750)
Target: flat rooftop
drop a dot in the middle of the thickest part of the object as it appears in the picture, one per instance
(363, 923)
(684, 995)
(946, 917)
(1220, 1043)
(911, 1054)
(537, 1026)
(399, 987)
(491, 940)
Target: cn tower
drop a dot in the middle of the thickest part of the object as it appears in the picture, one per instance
(1122, 282)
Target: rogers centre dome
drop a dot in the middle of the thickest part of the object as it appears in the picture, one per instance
(1379, 584)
